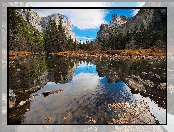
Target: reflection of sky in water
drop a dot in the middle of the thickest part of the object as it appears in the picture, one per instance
(159, 113)
(86, 77)
(84, 67)
(86, 82)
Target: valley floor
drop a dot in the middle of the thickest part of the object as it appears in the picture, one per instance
(139, 53)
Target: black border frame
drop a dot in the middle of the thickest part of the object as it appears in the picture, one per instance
(74, 8)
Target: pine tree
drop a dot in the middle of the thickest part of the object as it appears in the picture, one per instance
(70, 45)
(62, 39)
(23, 36)
(55, 38)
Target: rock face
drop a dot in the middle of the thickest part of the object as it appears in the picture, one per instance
(103, 32)
(28, 14)
(31, 17)
(46, 93)
(121, 24)
(40, 22)
(118, 20)
(66, 24)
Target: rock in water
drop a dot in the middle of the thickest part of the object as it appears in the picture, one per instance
(46, 93)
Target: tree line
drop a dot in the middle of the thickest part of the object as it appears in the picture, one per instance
(141, 37)
(21, 35)
(24, 37)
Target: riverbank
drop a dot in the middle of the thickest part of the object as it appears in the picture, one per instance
(149, 54)
(137, 54)
(14, 54)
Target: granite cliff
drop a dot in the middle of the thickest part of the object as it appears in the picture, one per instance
(66, 24)
(154, 18)
(31, 17)
(40, 23)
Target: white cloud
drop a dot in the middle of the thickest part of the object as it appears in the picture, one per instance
(85, 18)
(82, 80)
(135, 11)
(81, 18)
(138, 4)
(83, 39)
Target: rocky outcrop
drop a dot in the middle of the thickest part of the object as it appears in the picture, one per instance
(103, 32)
(115, 26)
(118, 20)
(40, 23)
(66, 24)
(121, 24)
(28, 14)
(31, 17)
(46, 93)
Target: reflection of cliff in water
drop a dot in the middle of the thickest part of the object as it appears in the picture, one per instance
(61, 68)
(151, 75)
(28, 75)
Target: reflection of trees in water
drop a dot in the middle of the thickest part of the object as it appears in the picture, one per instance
(23, 79)
(116, 71)
(24, 74)
(127, 68)
(24, 71)
(61, 68)
(32, 71)
(29, 74)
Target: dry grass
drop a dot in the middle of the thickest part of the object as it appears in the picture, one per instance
(139, 52)
(145, 52)
(14, 54)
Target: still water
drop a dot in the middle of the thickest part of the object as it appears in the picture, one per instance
(63, 90)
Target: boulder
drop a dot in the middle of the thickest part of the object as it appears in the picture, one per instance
(46, 93)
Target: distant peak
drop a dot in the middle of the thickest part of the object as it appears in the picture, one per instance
(118, 20)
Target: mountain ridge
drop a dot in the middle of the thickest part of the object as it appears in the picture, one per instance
(128, 25)
(146, 19)
(40, 23)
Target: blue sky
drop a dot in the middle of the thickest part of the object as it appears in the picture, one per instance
(92, 33)
(86, 22)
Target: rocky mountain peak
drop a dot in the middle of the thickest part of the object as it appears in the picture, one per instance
(31, 17)
(40, 23)
(122, 24)
(66, 24)
(117, 20)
